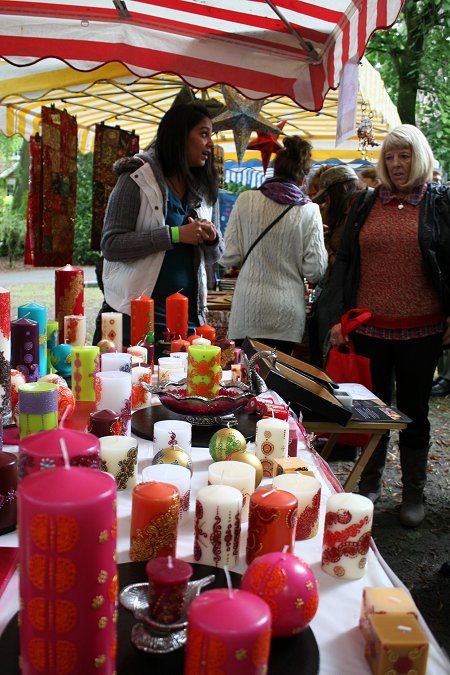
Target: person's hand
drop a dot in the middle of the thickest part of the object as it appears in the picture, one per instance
(446, 336)
(197, 232)
(336, 337)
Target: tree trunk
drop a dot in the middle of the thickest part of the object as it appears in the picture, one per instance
(406, 100)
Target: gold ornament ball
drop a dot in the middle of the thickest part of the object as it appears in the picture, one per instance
(224, 442)
(106, 346)
(174, 455)
(249, 458)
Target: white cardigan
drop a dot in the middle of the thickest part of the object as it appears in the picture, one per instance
(269, 298)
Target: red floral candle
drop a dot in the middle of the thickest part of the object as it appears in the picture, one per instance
(155, 512)
(272, 522)
(142, 318)
(168, 578)
(69, 294)
(177, 310)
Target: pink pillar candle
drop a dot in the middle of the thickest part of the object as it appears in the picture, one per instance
(38, 407)
(142, 319)
(217, 525)
(105, 423)
(43, 451)
(8, 488)
(5, 355)
(68, 580)
(346, 538)
(75, 330)
(231, 626)
(155, 512)
(112, 328)
(115, 361)
(177, 311)
(307, 489)
(25, 348)
(113, 392)
(85, 365)
(272, 522)
(271, 442)
(168, 579)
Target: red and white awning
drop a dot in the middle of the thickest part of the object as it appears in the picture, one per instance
(292, 48)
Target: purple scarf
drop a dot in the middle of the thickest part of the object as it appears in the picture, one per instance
(283, 191)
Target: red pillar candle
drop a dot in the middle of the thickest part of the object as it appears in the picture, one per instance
(179, 345)
(43, 451)
(233, 627)
(168, 578)
(105, 423)
(272, 522)
(177, 310)
(8, 487)
(25, 348)
(68, 580)
(142, 318)
(155, 512)
(69, 294)
(5, 355)
(208, 332)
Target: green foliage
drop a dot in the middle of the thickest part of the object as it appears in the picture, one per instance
(12, 231)
(83, 254)
(236, 188)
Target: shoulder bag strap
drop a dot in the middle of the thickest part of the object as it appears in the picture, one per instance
(265, 231)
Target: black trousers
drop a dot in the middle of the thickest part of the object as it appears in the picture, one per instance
(408, 366)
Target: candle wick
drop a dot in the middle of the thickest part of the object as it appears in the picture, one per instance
(180, 290)
(24, 316)
(285, 549)
(229, 584)
(65, 454)
(170, 562)
(268, 493)
(65, 414)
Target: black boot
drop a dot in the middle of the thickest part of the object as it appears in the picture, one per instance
(414, 475)
(370, 481)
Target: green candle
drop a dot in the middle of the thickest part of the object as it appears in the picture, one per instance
(38, 407)
(85, 363)
(204, 371)
(52, 342)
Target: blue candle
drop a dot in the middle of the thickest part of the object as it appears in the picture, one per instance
(37, 313)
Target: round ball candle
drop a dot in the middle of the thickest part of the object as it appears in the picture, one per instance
(179, 476)
(237, 474)
(234, 626)
(173, 455)
(346, 538)
(68, 580)
(140, 397)
(272, 521)
(42, 451)
(25, 348)
(52, 342)
(119, 458)
(37, 313)
(171, 433)
(204, 371)
(168, 579)
(271, 442)
(112, 328)
(104, 423)
(208, 332)
(177, 311)
(217, 528)
(139, 353)
(115, 361)
(113, 392)
(85, 365)
(155, 512)
(307, 489)
(69, 294)
(5, 355)
(8, 488)
(38, 407)
(142, 318)
(75, 330)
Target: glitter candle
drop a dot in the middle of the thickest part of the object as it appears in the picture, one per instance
(85, 365)
(272, 440)
(272, 522)
(142, 319)
(113, 392)
(115, 361)
(217, 528)
(177, 310)
(75, 330)
(38, 407)
(37, 313)
(69, 294)
(8, 488)
(155, 512)
(307, 490)
(5, 355)
(52, 342)
(68, 584)
(204, 371)
(112, 328)
(119, 458)
(237, 474)
(25, 348)
(168, 579)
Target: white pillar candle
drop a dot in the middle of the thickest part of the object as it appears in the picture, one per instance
(237, 474)
(166, 367)
(119, 458)
(168, 433)
(113, 392)
(201, 341)
(307, 490)
(115, 361)
(182, 356)
(140, 397)
(112, 328)
(75, 330)
(217, 525)
(271, 442)
(139, 352)
(346, 539)
(175, 475)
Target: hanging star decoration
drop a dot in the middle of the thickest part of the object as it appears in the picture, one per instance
(242, 116)
(267, 144)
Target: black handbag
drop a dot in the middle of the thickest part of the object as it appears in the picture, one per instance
(265, 231)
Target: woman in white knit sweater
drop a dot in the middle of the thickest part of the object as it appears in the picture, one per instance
(269, 298)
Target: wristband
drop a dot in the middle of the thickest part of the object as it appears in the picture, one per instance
(175, 235)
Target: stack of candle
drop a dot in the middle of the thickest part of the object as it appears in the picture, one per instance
(204, 371)
(5, 356)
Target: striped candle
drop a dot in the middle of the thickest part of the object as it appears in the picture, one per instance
(85, 365)
(5, 355)
(38, 407)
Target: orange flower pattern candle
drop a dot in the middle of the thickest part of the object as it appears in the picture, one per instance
(155, 512)
(272, 522)
(204, 371)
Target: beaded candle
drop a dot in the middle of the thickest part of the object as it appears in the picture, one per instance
(69, 294)
(38, 407)
(85, 365)
(5, 355)
(203, 371)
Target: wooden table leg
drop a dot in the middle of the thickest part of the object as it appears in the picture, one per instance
(329, 445)
(361, 462)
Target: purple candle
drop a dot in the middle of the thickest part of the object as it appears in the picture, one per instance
(25, 348)
(8, 487)
(105, 423)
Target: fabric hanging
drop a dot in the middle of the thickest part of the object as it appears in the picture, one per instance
(34, 204)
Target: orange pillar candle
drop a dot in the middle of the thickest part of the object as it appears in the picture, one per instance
(142, 318)
(155, 512)
(179, 345)
(208, 332)
(177, 310)
(272, 522)
(203, 371)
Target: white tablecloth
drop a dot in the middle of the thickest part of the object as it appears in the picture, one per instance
(335, 625)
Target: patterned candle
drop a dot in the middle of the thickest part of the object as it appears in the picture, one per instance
(346, 539)
(69, 294)
(171, 433)
(85, 365)
(75, 330)
(38, 407)
(177, 310)
(204, 371)
(227, 348)
(68, 584)
(52, 342)
(272, 440)
(233, 627)
(155, 512)
(115, 361)
(179, 345)
(113, 392)
(140, 397)
(168, 579)
(208, 332)
(217, 525)
(5, 355)
(142, 318)
(272, 522)
(307, 490)
(112, 328)
(119, 458)
(138, 352)
(42, 451)
(8, 488)
(37, 313)
(237, 474)
(179, 476)
(25, 348)
(105, 423)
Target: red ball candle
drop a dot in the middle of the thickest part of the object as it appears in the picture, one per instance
(231, 626)
(208, 332)
(272, 522)
(177, 310)
(68, 580)
(8, 487)
(168, 578)
(155, 512)
(142, 318)
(69, 294)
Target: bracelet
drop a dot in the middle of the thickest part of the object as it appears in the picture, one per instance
(175, 235)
